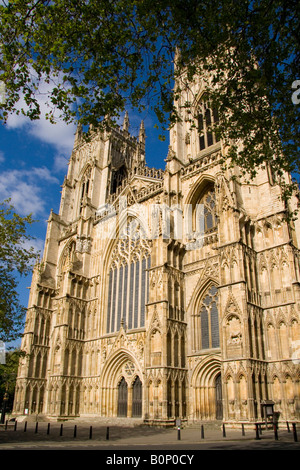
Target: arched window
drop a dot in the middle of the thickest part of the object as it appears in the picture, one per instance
(207, 321)
(85, 187)
(209, 202)
(128, 285)
(117, 178)
(207, 118)
(204, 212)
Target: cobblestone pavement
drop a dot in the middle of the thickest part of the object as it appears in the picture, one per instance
(124, 435)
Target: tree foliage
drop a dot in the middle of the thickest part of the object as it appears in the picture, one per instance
(15, 259)
(8, 376)
(100, 56)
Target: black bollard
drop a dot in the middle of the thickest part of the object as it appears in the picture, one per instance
(202, 431)
(107, 433)
(48, 428)
(295, 432)
(61, 430)
(288, 426)
(91, 432)
(36, 427)
(243, 430)
(25, 426)
(275, 432)
(256, 432)
(15, 425)
(178, 433)
(6, 424)
(75, 430)
(224, 431)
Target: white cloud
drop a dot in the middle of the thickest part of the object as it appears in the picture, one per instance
(61, 162)
(37, 244)
(25, 189)
(29, 189)
(61, 135)
(44, 174)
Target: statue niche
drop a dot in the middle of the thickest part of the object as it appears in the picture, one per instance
(234, 336)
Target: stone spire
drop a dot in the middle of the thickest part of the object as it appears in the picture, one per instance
(78, 134)
(126, 122)
(142, 135)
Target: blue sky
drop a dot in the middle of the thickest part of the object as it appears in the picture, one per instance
(33, 162)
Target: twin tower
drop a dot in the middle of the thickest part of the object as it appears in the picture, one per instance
(154, 322)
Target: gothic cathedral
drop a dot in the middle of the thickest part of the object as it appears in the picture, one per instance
(133, 314)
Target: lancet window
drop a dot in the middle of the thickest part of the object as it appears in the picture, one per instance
(205, 217)
(117, 178)
(209, 203)
(207, 118)
(206, 321)
(85, 187)
(128, 284)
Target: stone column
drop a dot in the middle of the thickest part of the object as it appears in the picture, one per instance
(129, 401)
(165, 397)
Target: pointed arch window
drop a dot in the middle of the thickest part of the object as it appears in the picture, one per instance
(205, 218)
(117, 178)
(209, 210)
(128, 285)
(85, 187)
(206, 321)
(207, 118)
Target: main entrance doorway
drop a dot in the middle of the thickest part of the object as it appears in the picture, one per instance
(122, 398)
(137, 401)
(219, 401)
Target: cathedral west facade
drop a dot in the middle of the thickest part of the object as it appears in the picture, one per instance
(132, 313)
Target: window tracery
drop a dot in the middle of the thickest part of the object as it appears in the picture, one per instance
(207, 118)
(210, 217)
(207, 321)
(128, 284)
(205, 215)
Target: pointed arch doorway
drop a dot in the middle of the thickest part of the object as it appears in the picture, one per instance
(121, 386)
(207, 389)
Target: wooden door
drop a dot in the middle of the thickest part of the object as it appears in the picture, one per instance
(122, 398)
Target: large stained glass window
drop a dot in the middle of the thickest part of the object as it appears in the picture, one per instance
(128, 285)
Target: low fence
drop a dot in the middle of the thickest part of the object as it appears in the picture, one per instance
(86, 432)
